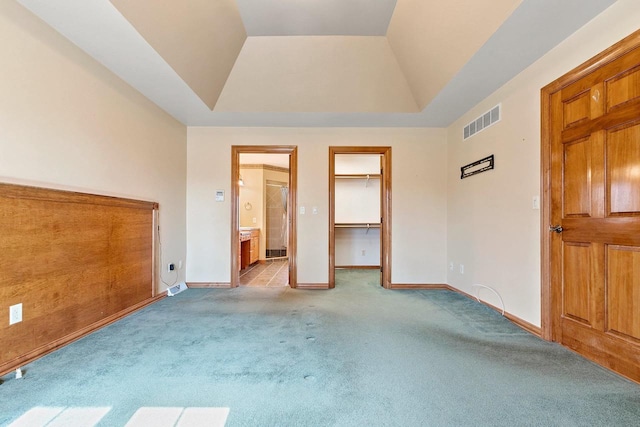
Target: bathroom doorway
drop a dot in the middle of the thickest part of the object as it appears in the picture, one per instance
(263, 221)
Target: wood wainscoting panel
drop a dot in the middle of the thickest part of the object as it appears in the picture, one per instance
(72, 260)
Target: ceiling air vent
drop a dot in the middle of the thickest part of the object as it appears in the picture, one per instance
(484, 121)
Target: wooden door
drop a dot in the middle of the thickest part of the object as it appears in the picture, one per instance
(595, 199)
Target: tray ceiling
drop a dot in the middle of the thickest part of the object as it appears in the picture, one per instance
(316, 17)
(316, 62)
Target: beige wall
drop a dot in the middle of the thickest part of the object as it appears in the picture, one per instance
(252, 192)
(492, 228)
(419, 198)
(68, 123)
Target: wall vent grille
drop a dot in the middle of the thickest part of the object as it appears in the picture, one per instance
(485, 120)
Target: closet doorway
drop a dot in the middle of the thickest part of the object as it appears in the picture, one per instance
(360, 210)
(264, 200)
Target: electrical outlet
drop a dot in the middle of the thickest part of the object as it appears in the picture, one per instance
(451, 266)
(461, 269)
(180, 265)
(302, 210)
(171, 267)
(314, 210)
(15, 314)
(364, 252)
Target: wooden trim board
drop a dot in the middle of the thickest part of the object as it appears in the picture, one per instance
(313, 286)
(14, 191)
(531, 328)
(201, 285)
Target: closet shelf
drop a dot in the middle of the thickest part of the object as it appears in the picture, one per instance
(365, 225)
(358, 176)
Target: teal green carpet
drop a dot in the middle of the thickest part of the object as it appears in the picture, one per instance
(357, 355)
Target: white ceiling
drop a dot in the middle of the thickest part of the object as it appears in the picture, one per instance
(316, 18)
(535, 27)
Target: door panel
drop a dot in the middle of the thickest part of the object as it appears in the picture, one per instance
(595, 196)
(577, 295)
(623, 282)
(623, 169)
(577, 178)
(623, 88)
(577, 110)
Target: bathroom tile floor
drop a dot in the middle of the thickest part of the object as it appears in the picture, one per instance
(271, 274)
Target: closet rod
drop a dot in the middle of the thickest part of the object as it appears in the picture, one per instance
(358, 225)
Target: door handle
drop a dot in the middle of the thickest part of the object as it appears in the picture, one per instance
(556, 228)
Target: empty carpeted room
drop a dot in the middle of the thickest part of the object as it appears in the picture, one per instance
(319, 213)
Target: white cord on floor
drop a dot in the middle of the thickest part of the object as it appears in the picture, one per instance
(477, 295)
